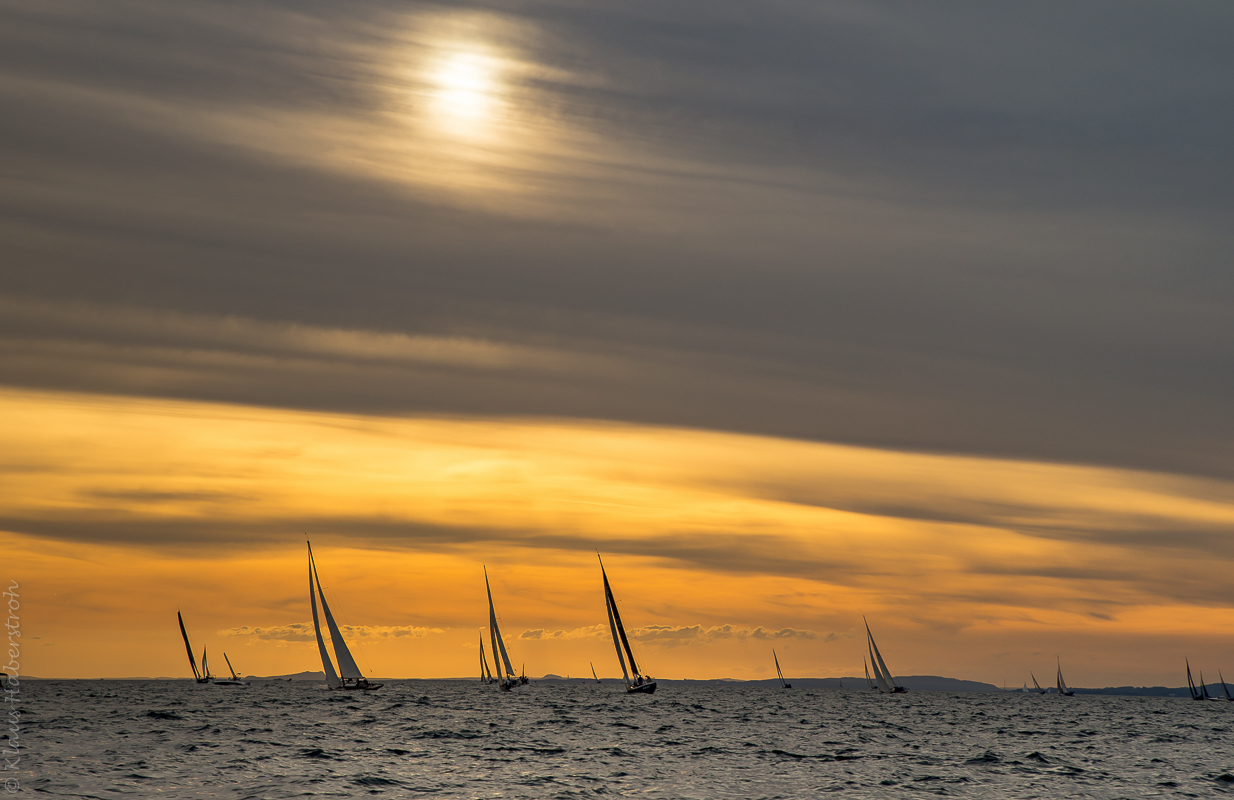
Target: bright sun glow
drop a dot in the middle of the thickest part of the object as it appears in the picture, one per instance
(465, 92)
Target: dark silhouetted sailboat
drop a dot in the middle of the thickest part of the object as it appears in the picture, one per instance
(869, 681)
(1036, 685)
(486, 676)
(882, 676)
(1062, 684)
(506, 679)
(234, 680)
(197, 674)
(783, 683)
(639, 684)
(348, 675)
(593, 672)
(1191, 687)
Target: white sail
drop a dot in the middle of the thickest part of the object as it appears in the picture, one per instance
(882, 675)
(332, 679)
(347, 666)
(499, 645)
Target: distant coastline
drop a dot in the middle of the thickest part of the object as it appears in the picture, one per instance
(917, 683)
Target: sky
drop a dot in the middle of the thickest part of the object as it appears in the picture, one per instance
(795, 312)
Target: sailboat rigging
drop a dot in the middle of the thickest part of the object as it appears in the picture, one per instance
(1062, 684)
(234, 680)
(783, 683)
(348, 675)
(506, 678)
(882, 676)
(197, 676)
(1036, 685)
(640, 684)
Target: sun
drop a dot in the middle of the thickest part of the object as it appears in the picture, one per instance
(465, 91)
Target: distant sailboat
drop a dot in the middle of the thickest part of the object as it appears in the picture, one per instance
(486, 676)
(783, 683)
(1036, 685)
(593, 672)
(869, 681)
(1062, 684)
(1225, 690)
(197, 676)
(348, 675)
(640, 684)
(506, 680)
(234, 680)
(882, 676)
(1191, 687)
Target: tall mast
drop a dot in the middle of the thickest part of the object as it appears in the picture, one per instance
(499, 645)
(234, 676)
(188, 647)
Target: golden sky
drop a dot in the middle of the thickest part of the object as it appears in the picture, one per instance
(120, 511)
(797, 317)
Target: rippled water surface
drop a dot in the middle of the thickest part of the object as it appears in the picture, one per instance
(453, 739)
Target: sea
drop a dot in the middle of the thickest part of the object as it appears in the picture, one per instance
(460, 739)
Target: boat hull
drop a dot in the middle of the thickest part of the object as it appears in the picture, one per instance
(646, 688)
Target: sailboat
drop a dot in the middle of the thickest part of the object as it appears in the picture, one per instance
(1062, 684)
(869, 681)
(506, 680)
(783, 683)
(485, 675)
(1191, 687)
(1036, 685)
(1225, 690)
(593, 672)
(882, 676)
(198, 677)
(234, 680)
(640, 684)
(348, 675)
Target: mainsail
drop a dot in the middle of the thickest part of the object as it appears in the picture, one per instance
(1037, 685)
(234, 676)
(347, 666)
(486, 676)
(615, 620)
(192, 661)
(1225, 690)
(499, 646)
(593, 672)
(882, 675)
(783, 683)
(205, 671)
(620, 641)
(332, 679)
(869, 680)
(1062, 684)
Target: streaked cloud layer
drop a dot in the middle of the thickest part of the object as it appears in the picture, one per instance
(841, 306)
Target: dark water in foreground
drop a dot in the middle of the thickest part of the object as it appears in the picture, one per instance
(111, 739)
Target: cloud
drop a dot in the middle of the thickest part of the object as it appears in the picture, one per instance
(303, 632)
(676, 635)
(586, 632)
(915, 229)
